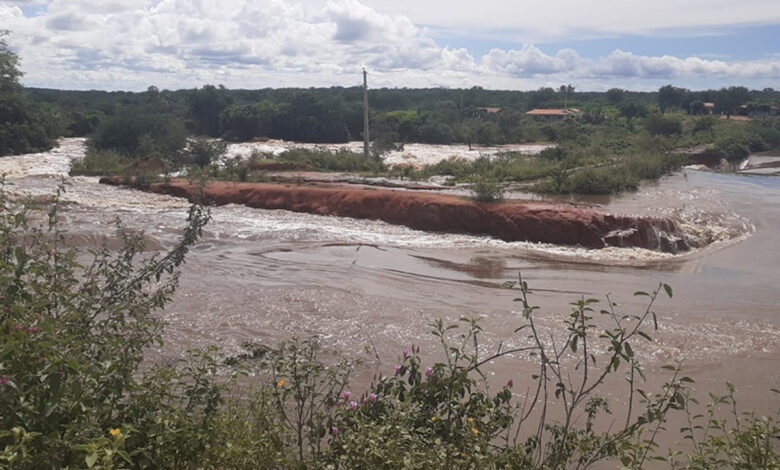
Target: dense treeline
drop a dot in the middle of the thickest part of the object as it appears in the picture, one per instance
(334, 115)
(605, 142)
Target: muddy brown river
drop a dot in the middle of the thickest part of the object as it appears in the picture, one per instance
(265, 276)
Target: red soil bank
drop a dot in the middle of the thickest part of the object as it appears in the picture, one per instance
(558, 224)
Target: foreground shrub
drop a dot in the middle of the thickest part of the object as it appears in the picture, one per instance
(73, 338)
(446, 416)
(734, 439)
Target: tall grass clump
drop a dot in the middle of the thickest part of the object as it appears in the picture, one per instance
(338, 160)
(100, 162)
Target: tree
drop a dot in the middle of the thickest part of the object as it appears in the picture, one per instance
(245, 122)
(206, 106)
(140, 134)
(615, 95)
(671, 97)
(9, 67)
(23, 126)
(632, 109)
(436, 133)
(308, 118)
(203, 152)
(732, 98)
(660, 125)
(566, 90)
(488, 133)
(543, 97)
(697, 108)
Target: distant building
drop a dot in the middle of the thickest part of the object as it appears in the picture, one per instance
(489, 110)
(709, 107)
(553, 112)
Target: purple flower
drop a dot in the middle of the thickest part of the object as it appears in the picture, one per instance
(34, 330)
(4, 380)
(353, 405)
(397, 369)
(372, 397)
(406, 353)
(347, 394)
(510, 383)
(334, 431)
(428, 371)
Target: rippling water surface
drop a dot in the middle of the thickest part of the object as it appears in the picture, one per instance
(268, 275)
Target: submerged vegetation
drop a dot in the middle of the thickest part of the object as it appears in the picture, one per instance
(76, 391)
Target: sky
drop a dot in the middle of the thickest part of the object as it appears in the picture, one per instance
(593, 45)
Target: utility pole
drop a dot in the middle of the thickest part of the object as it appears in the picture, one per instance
(366, 139)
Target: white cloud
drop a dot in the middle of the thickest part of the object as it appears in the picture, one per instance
(531, 61)
(566, 19)
(130, 44)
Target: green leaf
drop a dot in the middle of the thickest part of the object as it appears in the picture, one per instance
(668, 290)
(91, 459)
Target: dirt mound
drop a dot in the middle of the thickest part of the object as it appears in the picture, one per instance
(512, 221)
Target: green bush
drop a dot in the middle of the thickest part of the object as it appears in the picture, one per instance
(100, 162)
(202, 152)
(487, 190)
(555, 153)
(653, 166)
(733, 150)
(339, 160)
(73, 338)
(590, 180)
(734, 439)
(657, 124)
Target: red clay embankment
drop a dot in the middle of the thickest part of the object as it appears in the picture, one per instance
(558, 224)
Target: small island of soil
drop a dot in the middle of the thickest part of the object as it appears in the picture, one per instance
(559, 224)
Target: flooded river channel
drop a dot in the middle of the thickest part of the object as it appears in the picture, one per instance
(361, 285)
